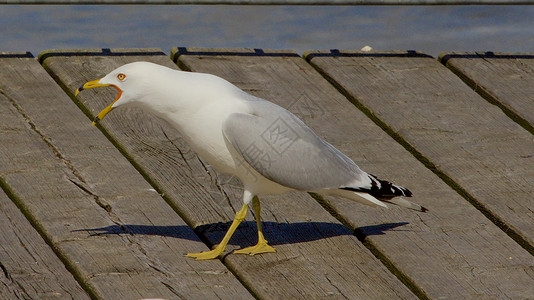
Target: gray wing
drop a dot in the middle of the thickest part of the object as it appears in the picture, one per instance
(282, 148)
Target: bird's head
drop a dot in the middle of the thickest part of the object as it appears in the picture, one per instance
(130, 80)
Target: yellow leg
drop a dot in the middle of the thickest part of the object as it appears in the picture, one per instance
(262, 246)
(239, 216)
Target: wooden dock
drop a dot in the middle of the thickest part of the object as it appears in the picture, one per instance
(107, 212)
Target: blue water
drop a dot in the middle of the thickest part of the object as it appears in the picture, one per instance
(430, 29)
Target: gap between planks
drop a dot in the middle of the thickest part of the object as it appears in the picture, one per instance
(389, 276)
(42, 229)
(482, 90)
(250, 82)
(494, 218)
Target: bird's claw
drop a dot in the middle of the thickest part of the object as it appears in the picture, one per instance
(258, 249)
(206, 254)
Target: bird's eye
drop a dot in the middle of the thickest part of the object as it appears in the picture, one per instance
(121, 76)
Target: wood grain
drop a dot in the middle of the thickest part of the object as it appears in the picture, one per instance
(30, 269)
(452, 246)
(504, 79)
(110, 227)
(317, 257)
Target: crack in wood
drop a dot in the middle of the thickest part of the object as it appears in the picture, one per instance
(177, 148)
(33, 127)
(218, 185)
(173, 290)
(335, 286)
(58, 154)
(102, 203)
(6, 273)
(80, 183)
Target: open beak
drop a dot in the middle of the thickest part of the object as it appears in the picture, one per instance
(95, 84)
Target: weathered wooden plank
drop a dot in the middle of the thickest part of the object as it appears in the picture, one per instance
(503, 79)
(446, 125)
(317, 257)
(452, 246)
(30, 269)
(120, 238)
(462, 135)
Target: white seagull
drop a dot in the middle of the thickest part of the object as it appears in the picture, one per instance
(264, 145)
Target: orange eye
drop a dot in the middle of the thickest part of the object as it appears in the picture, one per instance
(121, 76)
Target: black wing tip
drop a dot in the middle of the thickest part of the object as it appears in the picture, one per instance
(388, 189)
(405, 192)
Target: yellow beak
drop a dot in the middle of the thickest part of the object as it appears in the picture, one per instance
(95, 84)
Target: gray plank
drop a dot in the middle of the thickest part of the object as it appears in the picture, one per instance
(448, 126)
(452, 246)
(446, 122)
(30, 269)
(504, 79)
(120, 238)
(317, 257)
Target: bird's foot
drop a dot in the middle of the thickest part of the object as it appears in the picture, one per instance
(261, 247)
(206, 254)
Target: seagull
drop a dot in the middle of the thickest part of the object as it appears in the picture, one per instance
(264, 145)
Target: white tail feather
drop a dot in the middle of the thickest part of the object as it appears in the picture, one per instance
(360, 197)
(367, 199)
(405, 203)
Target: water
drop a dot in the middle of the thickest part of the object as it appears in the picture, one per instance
(430, 29)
